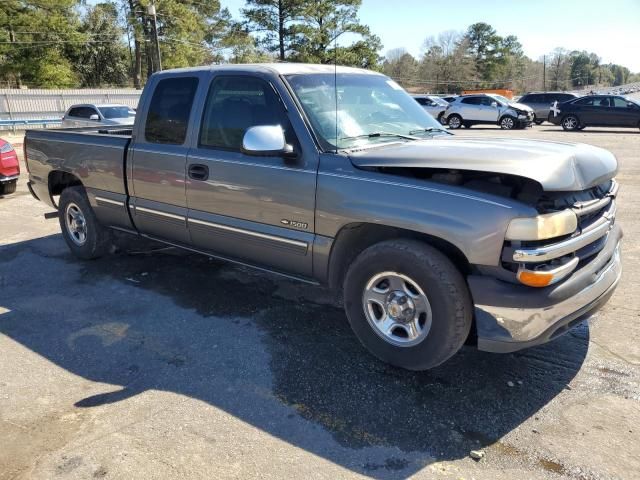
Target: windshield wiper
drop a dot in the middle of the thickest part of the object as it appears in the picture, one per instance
(429, 130)
(380, 134)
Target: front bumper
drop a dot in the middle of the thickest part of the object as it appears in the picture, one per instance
(511, 317)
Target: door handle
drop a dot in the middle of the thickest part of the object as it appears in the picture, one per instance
(198, 172)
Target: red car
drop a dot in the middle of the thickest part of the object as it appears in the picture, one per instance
(9, 168)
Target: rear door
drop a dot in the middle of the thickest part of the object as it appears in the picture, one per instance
(158, 156)
(254, 209)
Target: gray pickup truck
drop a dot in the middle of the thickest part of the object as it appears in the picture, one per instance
(338, 177)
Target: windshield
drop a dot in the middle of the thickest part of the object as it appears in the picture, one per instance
(440, 101)
(502, 99)
(114, 112)
(371, 109)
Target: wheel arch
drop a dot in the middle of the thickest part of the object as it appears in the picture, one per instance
(354, 238)
(58, 180)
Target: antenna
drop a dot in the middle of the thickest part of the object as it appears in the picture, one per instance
(335, 82)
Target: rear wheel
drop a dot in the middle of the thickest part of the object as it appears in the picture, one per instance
(539, 122)
(441, 119)
(570, 123)
(407, 304)
(85, 237)
(8, 187)
(454, 121)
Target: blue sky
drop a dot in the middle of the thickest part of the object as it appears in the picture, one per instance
(609, 28)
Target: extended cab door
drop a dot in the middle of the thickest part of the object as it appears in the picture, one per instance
(258, 209)
(158, 156)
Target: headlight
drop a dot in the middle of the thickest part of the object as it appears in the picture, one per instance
(545, 226)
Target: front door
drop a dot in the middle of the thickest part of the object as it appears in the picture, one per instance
(254, 209)
(157, 161)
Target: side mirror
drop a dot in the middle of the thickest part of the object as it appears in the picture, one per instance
(266, 140)
(94, 117)
(494, 104)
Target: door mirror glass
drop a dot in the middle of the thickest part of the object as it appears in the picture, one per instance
(265, 140)
(494, 104)
(94, 117)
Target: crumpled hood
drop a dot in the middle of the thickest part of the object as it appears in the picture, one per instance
(521, 106)
(557, 166)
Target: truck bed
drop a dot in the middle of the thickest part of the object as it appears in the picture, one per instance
(96, 156)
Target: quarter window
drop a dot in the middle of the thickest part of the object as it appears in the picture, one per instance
(234, 104)
(168, 116)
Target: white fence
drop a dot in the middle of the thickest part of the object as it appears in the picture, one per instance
(40, 104)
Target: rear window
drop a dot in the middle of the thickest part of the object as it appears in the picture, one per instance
(168, 115)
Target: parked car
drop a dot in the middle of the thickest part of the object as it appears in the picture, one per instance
(596, 111)
(541, 102)
(88, 115)
(435, 106)
(450, 98)
(9, 168)
(426, 234)
(490, 109)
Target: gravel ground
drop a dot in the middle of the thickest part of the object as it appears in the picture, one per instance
(154, 363)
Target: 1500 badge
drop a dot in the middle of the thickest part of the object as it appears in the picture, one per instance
(294, 224)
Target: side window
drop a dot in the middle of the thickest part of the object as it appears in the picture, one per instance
(234, 104)
(471, 101)
(543, 99)
(602, 102)
(169, 110)
(74, 112)
(88, 111)
(619, 102)
(527, 98)
(585, 102)
(422, 101)
(487, 102)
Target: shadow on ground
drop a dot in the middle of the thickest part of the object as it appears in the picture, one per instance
(271, 352)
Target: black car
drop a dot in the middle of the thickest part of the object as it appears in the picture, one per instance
(541, 102)
(597, 111)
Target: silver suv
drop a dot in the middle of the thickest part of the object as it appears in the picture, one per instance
(490, 109)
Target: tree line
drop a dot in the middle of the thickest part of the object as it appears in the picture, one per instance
(67, 43)
(480, 58)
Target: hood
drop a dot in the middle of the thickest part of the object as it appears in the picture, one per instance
(557, 166)
(521, 106)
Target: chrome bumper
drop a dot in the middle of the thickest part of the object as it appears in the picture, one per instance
(9, 179)
(508, 322)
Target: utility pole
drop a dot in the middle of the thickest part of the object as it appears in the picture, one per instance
(154, 23)
(544, 73)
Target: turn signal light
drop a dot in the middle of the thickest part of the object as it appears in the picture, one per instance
(535, 279)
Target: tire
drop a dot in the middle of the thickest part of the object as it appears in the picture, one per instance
(508, 122)
(85, 237)
(417, 271)
(441, 119)
(539, 122)
(468, 125)
(8, 187)
(570, 123)
(454, 121)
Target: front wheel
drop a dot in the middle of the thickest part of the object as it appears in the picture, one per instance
(85, 237)
(454, 121)
(507, 122)
(407, 304)
(570, 123)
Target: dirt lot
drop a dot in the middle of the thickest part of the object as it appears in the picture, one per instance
(160, 364)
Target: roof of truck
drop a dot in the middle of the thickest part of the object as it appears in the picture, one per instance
(283, 68)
